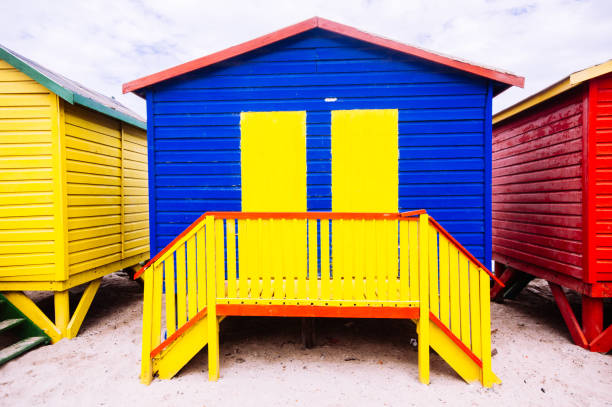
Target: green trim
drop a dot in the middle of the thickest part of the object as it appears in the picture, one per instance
(81, 100)
(48, 83)
(66, 94)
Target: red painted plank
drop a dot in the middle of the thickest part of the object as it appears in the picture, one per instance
(563, 160)
(543, 197)
(543, 208)
(521, 224)
(570, 246)
(544, 263)
(317, 311)
(539, 251)
(549, 174)
(317, 22)
(568, 315)
(559, 149)
(553, 185)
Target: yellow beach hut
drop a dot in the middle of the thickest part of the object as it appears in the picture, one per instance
(73, 190)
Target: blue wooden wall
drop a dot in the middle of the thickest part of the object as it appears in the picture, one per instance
(444, 130)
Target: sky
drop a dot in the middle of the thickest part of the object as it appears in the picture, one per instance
(105, 43)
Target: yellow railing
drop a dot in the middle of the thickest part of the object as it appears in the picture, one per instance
(387, 265)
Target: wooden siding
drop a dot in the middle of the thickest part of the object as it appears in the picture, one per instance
(194, 130)
(537, 187)
(27, 204)
(106, 185)
(600, 140)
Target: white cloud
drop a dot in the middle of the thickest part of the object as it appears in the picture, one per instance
(105, 43)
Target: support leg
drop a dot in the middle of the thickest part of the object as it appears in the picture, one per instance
(308, 332)
(499, 268)
(82, 308)
(603, 343)
(497, 291)
(62, 311)
(592, 317)
(568, 315)
(213, 347)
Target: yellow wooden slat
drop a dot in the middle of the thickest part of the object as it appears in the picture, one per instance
(94, 253)
(26, 174)
(181, 286)
(434, 302)
(86, 211)
(29, 86)
(201, 266)
(371, 260)
(92, 232)
(381, 255)
(86, 244)
(92, 136)
(279, 258)
(84, 189)
(230, 227)
(91, 120)
(26, 210)
(464, 299)
(313, 261)
(444, 282)
(88, 222)
(25, 100)
(423, 323)
(404, 290)
(211, 318)
(19, 235)
(243, 259)
(93, 147)
(325, 282)
(25, 186)
(136, 234)
(157, 306)
(92, 168)
(220, 257)
(265, 252)
(289, 266)
(170, 289)
(23, 112)
(25, 124)
(146, 367)
(359, 258)
(32, 222)
(13, 162)
(85, 156)
(455, 305)
(93, 179)
(300, 246)
(337, 259)
(392, 271)
(475, 324)
(488, 378)
(27, 247)
(24, 149)
(192, 305)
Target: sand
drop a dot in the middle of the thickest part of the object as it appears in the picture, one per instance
(355, 363)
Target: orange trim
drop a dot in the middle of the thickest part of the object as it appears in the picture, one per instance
(457, 341)
(303, 215)
(317, 311)
(413, 213)
(178, 333)
(168, 246)
(318, 22)
(463, 250)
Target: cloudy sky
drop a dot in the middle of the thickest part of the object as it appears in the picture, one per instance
(104, 43)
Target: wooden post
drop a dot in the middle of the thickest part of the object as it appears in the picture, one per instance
(211, 304)
(423, 325)
(62, 311)
(146, 366)
(592, 317)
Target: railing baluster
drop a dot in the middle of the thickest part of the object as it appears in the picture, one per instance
(423, 324)
(371, 260)
(325, 277)
(230, 227)
(413, 232)
(278, 258)
(170, 295)
(201, 265)
(464, 299)
(434, 305)
(485, 329)
(158, 279)
(444, 282)
(359, 258)
(313, 261)
(291, 251)
(243, 259)
(381, 261)
(181, 286)
(475, 309)
(455, 303)
(192, 306)
(299, 238)
(392, 265)
(266, 257)
(404, 250)
(220, 258)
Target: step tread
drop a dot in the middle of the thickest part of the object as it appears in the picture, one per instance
(9, 323)
(16, 349)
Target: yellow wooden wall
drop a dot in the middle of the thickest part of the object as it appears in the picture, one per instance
(28, 153)
(107, 195)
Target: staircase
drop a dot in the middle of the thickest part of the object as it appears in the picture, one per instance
(353, 265)
(16, 329)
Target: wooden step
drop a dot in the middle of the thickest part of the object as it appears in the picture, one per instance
(16, 349)
(9, 323)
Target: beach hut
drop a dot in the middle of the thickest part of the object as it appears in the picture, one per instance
(73, 190)
(552, 211)
(320, 116)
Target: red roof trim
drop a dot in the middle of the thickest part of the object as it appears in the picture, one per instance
(318, 22)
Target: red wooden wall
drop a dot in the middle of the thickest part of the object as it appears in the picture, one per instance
(538, 189)
(600, 177)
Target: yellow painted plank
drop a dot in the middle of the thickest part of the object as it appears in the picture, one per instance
(455, 306)
(86, 211)
(94, 253)
(22, 112)
(243, 259)
(414, 259)
(220, 257)
(359, 247)
(313, 260)
(273, 148)
(181, 286)
(91, 232)
(211, 317)
(143, 241)
(201, 266)
(76, 200)
(30, 86)
(488, 378)
(32, 222)
(19, 235)
(26, 259)
(86, 156)
(25, 186)
(170, 290)
(26, 174)
(92, 168)
(404, 277)
(325, 270)
(26, 210)
(423, 323)
(475, 324)
(88, 222)
(382, 257)
(444, 281)
(84, 189)
(134, 165)
(157, 306)
(99, 262)
(464, 299)
(192, 305)
(92, 136)
(24, 124)
(364, 160)
(93, 179)
(88, 119)
(392, 265)
(266, 248)
(146, 367)
(26, 100)
(230, 227)
(87, 244)
(26, 271)
(27, 247)
(92, 147)
(12, 162)
(136, 208)
(136, 234)
(61, 306)
(434, 296)
(278, 259)
(128, 227)
(25, 149)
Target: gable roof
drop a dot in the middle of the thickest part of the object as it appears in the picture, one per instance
(71, 91)
(565, 84)
(507, 79)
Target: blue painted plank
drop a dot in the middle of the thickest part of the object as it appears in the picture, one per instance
(215, 168)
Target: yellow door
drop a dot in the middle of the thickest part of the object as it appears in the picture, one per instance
(273, 149)
(365, 179)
